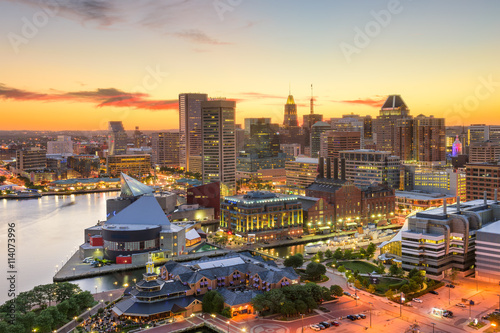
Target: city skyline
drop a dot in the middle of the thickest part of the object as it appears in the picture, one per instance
(76, 66)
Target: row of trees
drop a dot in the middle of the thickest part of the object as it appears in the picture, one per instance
(195, 175)
(292, 300)
(45, 319)
(41, 296)
(213, 302)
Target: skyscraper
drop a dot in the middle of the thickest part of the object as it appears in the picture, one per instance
(190, 142)
(219, 144)
(117, 139)
(165, 146)
(290, 118)
(316, 130)
(384, 126)
(429, 134)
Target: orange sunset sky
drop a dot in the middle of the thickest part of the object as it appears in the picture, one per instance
(75, 65)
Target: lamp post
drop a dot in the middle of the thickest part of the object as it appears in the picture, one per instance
(370, 313)
(449, 293)
(498, 302)
(228, 326)
(433, 324)
(401, 300)
(302, 315)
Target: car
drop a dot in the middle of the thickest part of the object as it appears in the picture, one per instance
(300, 237)
(315, 327)
(461, 305)
(335, 323)
(434, 292)
(449, 313)
(418, 300)
(355, 296)
(321, 327)
(351, 317)
(450, 285)
(88, 260)
(347, 293)
(362, 316)
(324, 323)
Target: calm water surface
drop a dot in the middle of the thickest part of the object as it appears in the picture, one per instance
(48, 231)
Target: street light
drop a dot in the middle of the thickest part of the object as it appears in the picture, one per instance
(370, 313)
(498, 301)
(228, 326)
(401, 300)
(302, 315)
(433, 324)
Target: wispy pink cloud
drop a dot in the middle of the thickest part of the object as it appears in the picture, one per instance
(375, 102)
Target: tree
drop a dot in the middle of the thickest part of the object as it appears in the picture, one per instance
(288, 309)
(413, 286)
(328, 254)
(389, 294)
(338, 254)
(2, 179)
(341, 269)
(405, 289)
(44, 322)
(351, 279)
(226, 312)
(453, 274)
(357, 284)
(315, 270)
(259, 303)
(370, 250)
(348, 254)
(212, 302)
(327, 295)
(371, 289)
(294, 261)
(336, 290)
(362, 252)
(381, 268)
(395, 270)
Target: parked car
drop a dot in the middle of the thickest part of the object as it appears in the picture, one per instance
(362, 316)
(88, 260)
(321, 326)
(450, 285)
(418, 300)
(461, 305)
(315, 327)
(335, 323)
(448, 314)
(355, 296)
(351, 317)
(434, 292)
(324, 323)
(347, 293)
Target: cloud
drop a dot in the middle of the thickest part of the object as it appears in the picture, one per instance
(375, 102)
(109, 97)
(199, 37)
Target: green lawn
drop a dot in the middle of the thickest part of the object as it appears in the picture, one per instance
(362, 266)
(386, 282)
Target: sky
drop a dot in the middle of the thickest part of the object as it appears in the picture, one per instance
(77, 64)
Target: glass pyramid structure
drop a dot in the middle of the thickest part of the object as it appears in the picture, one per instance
(132, 187)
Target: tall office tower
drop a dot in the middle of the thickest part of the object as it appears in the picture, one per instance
(190, 143)
(429, 139)
(494, 133)
(251, 121)
(264, 140)
(165, 147)
(350, 123)
(290, 118)
(316, 131)
(403, 143)
(384, 126)
(332, 143)
(240, 139)
(29, 159)
(117, 139)
(219, 144)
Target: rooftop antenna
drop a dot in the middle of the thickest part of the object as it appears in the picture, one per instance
(289, 88)
(312, 100)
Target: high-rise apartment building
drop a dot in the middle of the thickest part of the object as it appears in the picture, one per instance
(117, 138)
(484, 152)
(252, 121)
(300, 173)
(429, 139)
(63, 146)
(384, 126)
(31, 159)
(332, 143)
(365, 167)
(403, 144)
(134, 165)
(165, 146)
(219, 144)
(190, 127)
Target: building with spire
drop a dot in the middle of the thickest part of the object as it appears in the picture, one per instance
(290, 118)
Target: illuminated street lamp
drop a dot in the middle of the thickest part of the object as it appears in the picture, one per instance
(228, 326)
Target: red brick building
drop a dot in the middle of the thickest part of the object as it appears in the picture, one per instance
(482, 177)
(207, 195)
